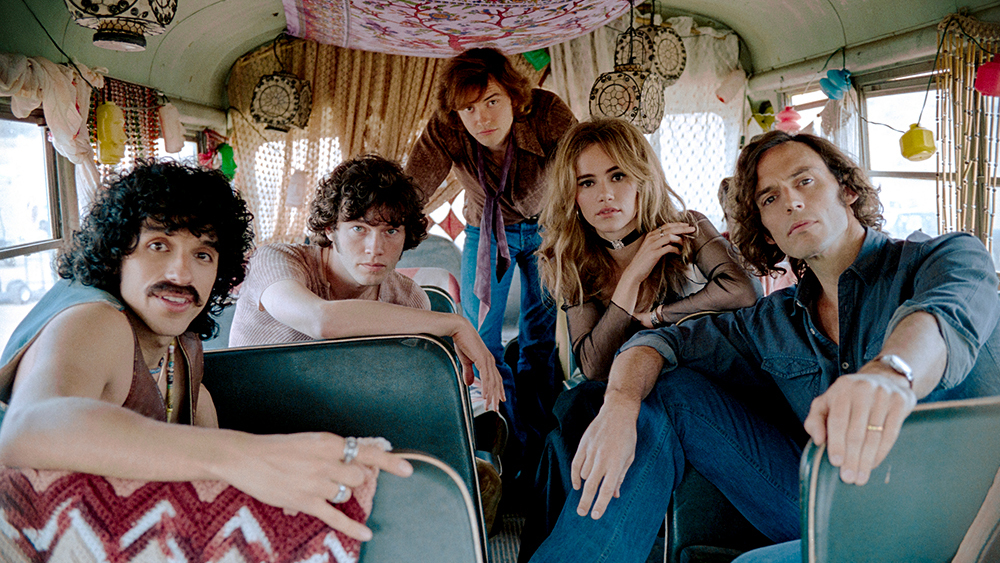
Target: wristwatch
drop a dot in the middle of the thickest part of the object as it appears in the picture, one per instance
(899, 366)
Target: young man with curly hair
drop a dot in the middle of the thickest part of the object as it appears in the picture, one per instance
(498, 135)
(363, 216)
(873, 326)
(103, 376)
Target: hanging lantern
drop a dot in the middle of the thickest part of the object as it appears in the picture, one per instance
(634, 47)
(988, 79)
(917, 144)
(111, 138)
(632, 91)
(788, 120)
(629, 93)
(122, 25)
(281, 101)
(836, 83)
(669, 54)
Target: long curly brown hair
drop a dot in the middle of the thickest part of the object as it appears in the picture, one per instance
(747, 231)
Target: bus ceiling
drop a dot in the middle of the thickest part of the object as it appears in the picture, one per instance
(785, 41)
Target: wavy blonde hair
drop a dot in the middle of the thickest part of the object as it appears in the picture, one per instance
(574, 263)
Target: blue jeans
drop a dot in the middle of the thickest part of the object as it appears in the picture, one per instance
(530, 396)
(738, 445)
(788, 552)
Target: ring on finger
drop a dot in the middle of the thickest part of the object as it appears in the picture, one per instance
(875, 427)
(343, 493)
(350, 449)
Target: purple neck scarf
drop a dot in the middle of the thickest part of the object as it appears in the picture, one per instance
(491, 223)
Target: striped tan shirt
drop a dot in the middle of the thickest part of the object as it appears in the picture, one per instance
(252, 325)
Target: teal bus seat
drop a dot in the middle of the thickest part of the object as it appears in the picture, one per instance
(428, 516)
(404, 388)
(919, 502)
(441, 301)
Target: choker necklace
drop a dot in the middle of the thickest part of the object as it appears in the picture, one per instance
(623, 242)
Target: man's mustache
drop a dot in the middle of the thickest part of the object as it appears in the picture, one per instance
(166, 286)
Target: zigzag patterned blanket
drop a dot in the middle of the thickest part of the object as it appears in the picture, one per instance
(55, 516)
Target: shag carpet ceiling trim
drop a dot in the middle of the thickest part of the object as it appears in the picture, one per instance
(444, 28)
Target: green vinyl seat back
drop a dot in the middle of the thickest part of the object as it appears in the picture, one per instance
(919, 502)
(441, 301)
(428, 516)
(404, 388)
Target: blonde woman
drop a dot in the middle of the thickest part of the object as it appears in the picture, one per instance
(621, 251)
(622, 254)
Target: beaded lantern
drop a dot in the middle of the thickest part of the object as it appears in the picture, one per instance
(632, 91)
(281, 100)
(669, 55)
(122, 25)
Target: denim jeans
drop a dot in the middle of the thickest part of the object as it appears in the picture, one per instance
(531, 394)
(736, 444)
(788, 552)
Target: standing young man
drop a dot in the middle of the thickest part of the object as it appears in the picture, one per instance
(104, 374)
(874, 326)
(498, 134)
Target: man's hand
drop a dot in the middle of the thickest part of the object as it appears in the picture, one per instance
(859, 418)
(472, 351)
(302, 472)
(605, 453)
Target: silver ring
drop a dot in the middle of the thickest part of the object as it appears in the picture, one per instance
(343, 493)
(350, 449)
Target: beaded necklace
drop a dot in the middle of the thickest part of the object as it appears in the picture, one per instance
(170, 376)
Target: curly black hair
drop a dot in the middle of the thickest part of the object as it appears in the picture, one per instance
(170, 195)
(363, 184)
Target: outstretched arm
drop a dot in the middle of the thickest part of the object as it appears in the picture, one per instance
(859, 417)
(291, 302)
(65, 414)
(939, 331)
(607, 448)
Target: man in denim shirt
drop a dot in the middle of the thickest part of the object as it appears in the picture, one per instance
(874, 326)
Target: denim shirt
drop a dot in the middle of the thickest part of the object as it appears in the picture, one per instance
(951, 277)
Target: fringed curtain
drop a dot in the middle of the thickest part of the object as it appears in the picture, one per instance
(968, 128)
(362, 102)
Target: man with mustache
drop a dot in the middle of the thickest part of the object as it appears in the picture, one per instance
(873, 326)
(363, 216)
(103, 376)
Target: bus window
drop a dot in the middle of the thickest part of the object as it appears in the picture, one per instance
(908, 189)
(31, 223)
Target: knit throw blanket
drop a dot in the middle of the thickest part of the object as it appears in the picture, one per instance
(55, 516)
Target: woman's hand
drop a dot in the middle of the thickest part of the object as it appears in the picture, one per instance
(667, 239)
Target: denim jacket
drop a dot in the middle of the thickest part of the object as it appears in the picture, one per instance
(951, 277)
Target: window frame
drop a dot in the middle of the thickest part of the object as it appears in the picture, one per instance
(59, 202)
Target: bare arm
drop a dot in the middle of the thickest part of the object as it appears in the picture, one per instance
(65, 414)
(607, 448)
(291, 302)
(877, 397)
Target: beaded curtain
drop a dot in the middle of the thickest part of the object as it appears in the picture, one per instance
(140, 105)
(361, 102)
(968, 128)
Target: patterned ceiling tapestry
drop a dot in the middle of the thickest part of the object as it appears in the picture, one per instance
(444, 28)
